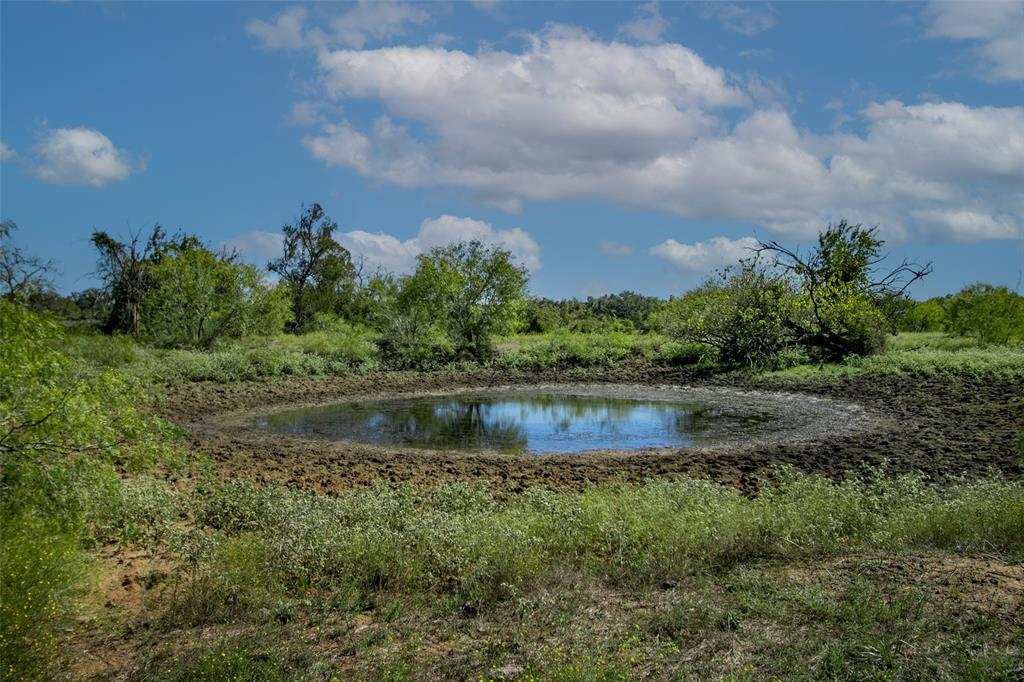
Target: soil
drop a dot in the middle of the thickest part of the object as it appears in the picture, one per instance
(943, 427)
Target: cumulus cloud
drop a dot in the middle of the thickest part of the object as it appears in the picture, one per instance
(81, 156)
(573, 117)
(364, 22)
(997, 28)
(6, 153)
(615, 249)
(648, 26)
(702, 257)
(744, 19)
(388, 252)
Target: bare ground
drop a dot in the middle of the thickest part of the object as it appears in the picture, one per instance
(943, 427)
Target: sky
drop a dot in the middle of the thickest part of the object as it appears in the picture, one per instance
(609, 146)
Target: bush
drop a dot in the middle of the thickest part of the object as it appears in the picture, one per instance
(991, 314)
(40, 568)
(743, 315)
(64, 431)
(925, 316)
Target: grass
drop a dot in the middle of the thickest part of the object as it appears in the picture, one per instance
(679, 579)
(1003, 362)
(464, 541)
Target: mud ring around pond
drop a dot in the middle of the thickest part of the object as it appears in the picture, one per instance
(943, 427)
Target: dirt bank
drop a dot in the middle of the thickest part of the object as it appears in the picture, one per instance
(942, 427)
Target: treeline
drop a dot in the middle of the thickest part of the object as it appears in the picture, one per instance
(776, 307)
(992, 315)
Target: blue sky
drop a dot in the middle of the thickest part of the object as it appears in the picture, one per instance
(610, 146)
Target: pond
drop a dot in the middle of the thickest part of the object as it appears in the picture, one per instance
(557, 419)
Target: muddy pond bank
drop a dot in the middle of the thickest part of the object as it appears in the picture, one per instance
(943, 427)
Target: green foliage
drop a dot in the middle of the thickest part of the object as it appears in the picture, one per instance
(40, 569)
(1005, 363)
(625, 311)
(743, 315)
(229, 660)
(989, 313)
(925, 316)
(412, 334)
(196, 297)
(463, 540)
(316, 269)
(845, 308)
(57, 420)
(63, 431)
(476, 290)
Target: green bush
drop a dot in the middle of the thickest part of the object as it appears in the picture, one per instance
(743, 315)
(990, 314)
(925, 316)
(41, 568)
(462, 540)
(64, 433)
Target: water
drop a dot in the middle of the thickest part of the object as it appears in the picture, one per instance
(564, 420)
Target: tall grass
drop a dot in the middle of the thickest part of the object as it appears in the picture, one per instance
(1003, 362)
(598, 349)
(464, 541)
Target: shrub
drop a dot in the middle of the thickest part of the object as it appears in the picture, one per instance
(991, 314)
(743, 315)
(925, 316)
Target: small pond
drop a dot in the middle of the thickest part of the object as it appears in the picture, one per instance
(558, 419)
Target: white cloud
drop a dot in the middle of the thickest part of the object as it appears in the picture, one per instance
(703, 257)
(388, 252)
(739, 18)
(256, 246)
(492, 7)
(6, 153)
(615, 249)
(970, 225)
(996, 27)
(395, 255)
(81, 156)
(366, 21)
(573, 117)
(647, 26)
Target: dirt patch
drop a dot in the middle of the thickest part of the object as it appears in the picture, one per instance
(943, 427)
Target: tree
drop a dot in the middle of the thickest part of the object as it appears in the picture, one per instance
(925, 316)
(316, 269)
(744, 314)
(21, 276)
(989, 313)
(848, 305)
(477, 291)
(124, 268)
(413, 336)
(197, 296)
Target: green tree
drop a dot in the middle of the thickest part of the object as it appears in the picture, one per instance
(124, 268)
(925, 316)
(196, 296)
(476, 290)
(412, 335)
(744, 314)
(848, 304)
(991, 314)
(316, 269)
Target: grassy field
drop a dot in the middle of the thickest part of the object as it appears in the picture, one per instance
(185, 576)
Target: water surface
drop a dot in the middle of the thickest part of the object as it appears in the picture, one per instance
(537, 421)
